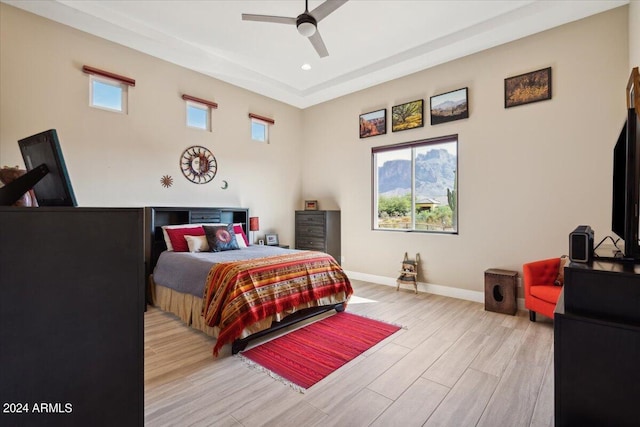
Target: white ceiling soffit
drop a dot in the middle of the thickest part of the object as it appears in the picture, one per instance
(369, 41)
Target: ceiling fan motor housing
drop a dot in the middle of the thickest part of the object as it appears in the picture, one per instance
(306, 25)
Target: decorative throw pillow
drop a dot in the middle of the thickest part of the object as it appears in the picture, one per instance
(237, 228)
(221, 237)
(167, 240)
(197, 243)
(176, 236)
(564, 260)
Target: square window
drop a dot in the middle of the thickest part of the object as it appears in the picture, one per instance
(259, 130)
(415, 186)
(198, 116)
(108, 94)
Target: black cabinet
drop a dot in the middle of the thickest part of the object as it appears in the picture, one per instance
(597, 346)
(319, 231)
(71, 317)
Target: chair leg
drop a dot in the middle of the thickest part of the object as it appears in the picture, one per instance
(532, 315)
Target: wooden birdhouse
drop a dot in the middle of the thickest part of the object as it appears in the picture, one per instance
(408, 273)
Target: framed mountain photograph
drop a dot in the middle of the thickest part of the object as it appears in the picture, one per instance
(449, 106)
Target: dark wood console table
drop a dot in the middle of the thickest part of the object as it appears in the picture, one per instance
(597, 346)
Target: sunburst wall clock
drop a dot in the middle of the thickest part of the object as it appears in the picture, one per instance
(198, 164)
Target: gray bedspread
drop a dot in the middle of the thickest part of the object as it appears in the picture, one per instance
(187, 272)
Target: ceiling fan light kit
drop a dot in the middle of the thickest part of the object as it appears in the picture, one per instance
(306, 25)
(306, 22)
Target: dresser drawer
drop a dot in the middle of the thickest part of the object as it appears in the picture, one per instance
(313, 244)
(310, 219)
(306, 230)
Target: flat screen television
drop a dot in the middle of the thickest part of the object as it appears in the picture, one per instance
(625, 220)
(54, 189)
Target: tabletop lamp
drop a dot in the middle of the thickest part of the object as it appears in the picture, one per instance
(254, 225)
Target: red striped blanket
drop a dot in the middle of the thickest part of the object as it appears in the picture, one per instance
(240, 293)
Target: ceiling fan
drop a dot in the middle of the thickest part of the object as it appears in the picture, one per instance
(307, 22)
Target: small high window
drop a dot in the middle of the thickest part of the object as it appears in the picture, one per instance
(198, 116)
(108, 94)
(199, 112)
(259, 131)
(107, 90)
(260, 127)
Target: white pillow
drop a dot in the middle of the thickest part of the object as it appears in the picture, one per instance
(197, 243)
(240, 240)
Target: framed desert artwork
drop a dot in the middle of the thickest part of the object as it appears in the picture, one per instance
(373, 123)
(449, 106)
(527, 88)
(407, 116)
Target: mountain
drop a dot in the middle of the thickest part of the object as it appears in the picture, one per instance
(449, 105)
(435, 171)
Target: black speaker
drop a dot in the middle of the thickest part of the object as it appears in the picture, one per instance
(581, 244)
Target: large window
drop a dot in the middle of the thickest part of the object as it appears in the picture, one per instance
(415, 186)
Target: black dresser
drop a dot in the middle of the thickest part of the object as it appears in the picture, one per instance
(71, 316)
(597, 346)
(319, 231)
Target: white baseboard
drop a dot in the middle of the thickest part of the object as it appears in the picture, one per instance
(431, 288)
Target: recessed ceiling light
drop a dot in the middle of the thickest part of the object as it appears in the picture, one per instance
(306, 67)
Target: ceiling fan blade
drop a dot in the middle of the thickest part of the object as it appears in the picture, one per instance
(269, 18)
(326, 8)
(318, 44)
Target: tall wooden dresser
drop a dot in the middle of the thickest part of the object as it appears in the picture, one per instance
(319, 231)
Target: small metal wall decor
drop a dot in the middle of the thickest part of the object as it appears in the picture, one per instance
(166, 181)
(198, 164)
(409, 273)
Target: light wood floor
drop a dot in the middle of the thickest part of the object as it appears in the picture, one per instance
(453, 364)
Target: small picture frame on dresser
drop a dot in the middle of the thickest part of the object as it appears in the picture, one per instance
(310, 205)
(272, 239)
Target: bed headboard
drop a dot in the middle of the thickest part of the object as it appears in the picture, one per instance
(156, 217)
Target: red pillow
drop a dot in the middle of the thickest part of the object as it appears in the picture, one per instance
(176, 235)
(237, 228)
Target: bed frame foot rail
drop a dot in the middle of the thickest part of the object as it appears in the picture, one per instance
(241, 344)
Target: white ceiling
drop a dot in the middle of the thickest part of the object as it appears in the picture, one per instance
(369, 41)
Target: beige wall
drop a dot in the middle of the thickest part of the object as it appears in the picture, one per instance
(118, 160)
(634, 34)
(528, 175)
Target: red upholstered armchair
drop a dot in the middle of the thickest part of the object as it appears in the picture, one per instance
(540, 292)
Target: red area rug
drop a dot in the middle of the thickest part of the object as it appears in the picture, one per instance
(307, 355)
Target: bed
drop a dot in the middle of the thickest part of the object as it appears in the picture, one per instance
(235, 295)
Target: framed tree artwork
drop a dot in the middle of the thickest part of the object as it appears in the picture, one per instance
(407, 116)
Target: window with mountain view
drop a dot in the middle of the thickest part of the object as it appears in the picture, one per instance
(415, 186)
